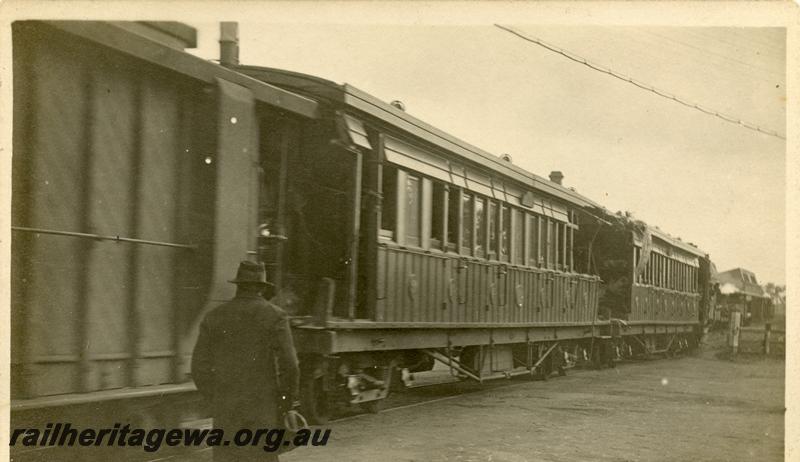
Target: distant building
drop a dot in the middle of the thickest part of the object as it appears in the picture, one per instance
(739, 291)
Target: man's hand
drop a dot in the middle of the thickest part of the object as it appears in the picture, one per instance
(294, 421)
(287, 404)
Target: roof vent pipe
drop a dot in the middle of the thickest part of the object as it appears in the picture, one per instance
(398, 104)
(556, 176)
(229, 43)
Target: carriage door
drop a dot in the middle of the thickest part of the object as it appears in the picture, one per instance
(273, 165)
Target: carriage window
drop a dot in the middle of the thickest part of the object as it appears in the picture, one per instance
(553, 244)
(466, 223)
(493, 211)
(573, 220)
(533, 240)
(569, 236)
(480, 226)
(548, 255)
(685, 277)
(438, 203)
(675, 274)
(505, 232)
(656, 262)
(671, 273)
(656, 270)
(657, 276)
(653, 268)
(389, 202)
(688, 278)
(413, 207)
(519, 236)
(453, 196)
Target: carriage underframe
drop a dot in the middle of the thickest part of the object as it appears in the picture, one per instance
(362, 365)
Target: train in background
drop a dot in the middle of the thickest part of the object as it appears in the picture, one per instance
(142, 175)
(738, 290)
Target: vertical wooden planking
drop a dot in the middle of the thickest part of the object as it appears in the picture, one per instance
(114, 146)
(530, 301)
(157, 185)
(405, 271)
(391, 285)
(474, 289)
(583, 301)
(537, 297)
(475, 300)
(422, 285)
(546, 297)
(428, 288)
(534, 297)
(380, 302)
(541, 296)
(435, 270)
(453, 305)
(481, 292)
(526, 290)
(439, 269)
(58, 177)
(462, 274)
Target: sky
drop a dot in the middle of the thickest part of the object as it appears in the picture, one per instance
(693, 175)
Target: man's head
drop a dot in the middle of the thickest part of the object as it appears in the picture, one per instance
(251, 277)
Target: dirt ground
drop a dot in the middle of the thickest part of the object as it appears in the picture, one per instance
(684, 409)
(694, 408)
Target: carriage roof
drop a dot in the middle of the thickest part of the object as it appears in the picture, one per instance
(364, 103)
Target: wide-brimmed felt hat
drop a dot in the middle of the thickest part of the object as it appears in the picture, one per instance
(250, 272)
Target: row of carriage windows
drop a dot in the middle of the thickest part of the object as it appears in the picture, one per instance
(666, 272)
(455, 220)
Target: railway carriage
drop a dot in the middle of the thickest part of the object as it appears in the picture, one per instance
(439, 251)
(134, 195)
(658, 289)
(142, 175)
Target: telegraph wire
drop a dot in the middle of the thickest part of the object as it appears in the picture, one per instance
(719, 55)
(581, 60)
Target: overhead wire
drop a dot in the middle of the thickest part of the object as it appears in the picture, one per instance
(737, 69)
(719, 55)
(644, 86)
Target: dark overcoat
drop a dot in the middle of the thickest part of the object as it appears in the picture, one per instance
(240, 346)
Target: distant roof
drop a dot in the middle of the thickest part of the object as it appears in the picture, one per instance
(742, 280)
(686, 246)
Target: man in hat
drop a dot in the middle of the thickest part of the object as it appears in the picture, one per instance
(234, 364)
